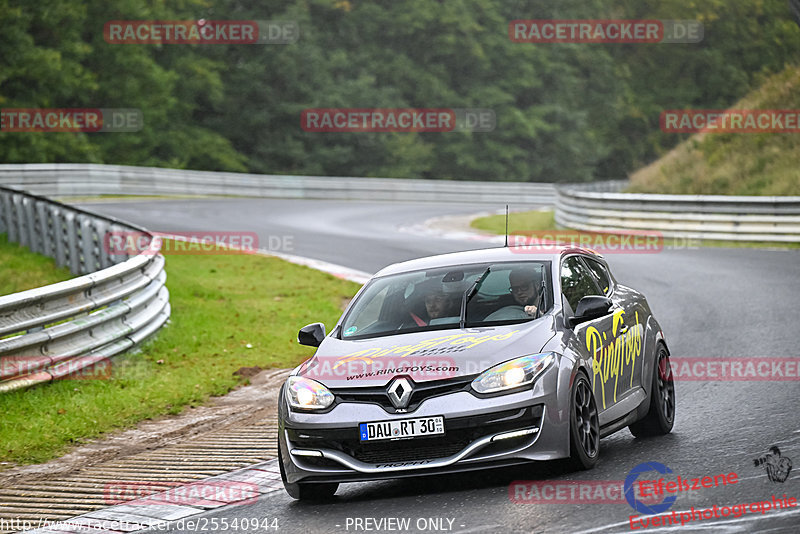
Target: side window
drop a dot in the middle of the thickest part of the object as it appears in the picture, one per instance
(576, 281)
(601, 274)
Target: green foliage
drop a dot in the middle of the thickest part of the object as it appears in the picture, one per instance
(565, 112)
(518, 222)
(55, 56)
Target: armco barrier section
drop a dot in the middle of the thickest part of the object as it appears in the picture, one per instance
(77, 179)
(66, 328)
(714, 217)
(592, 207)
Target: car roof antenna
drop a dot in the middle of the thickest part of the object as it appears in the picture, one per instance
(506, 225)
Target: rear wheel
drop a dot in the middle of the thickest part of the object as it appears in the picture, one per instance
(661, 415)
(584, 443)
(306, 492)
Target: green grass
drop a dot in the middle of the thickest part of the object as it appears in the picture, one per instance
(523, 223)
(734, 163)
(228, 312)
(21, 269)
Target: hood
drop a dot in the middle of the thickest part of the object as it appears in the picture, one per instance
(423, 356)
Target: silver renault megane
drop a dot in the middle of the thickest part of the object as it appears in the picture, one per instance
(473, 360)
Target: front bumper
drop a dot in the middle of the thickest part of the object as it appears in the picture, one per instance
(479, 433)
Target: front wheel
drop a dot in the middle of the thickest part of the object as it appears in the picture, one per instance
(584, 443)
(306, 492)
(661, 415)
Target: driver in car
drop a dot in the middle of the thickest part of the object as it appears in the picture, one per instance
(438, 303)
(522, 285)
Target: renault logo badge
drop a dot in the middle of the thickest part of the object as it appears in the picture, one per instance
(399, 392)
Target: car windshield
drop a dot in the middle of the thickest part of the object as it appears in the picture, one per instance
(431, 300)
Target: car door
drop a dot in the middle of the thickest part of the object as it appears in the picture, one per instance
(623, 341)
(577, 281)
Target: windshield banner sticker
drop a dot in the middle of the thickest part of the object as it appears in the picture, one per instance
(439, 345)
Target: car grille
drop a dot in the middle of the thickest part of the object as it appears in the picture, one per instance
(459, 433)
(391, 452)
(422, 391)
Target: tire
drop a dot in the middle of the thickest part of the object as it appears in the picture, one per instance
(306, 492)
(584, 426)
(661, 414)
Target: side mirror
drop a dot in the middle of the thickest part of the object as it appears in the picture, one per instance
(311, 334)
(590, 308)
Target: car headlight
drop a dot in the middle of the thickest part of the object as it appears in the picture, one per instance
(513, 374)
(305, 394)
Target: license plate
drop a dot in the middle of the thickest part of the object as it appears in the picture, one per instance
(403, 428)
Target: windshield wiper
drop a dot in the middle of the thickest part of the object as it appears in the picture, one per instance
(540, 301)
(468, 294)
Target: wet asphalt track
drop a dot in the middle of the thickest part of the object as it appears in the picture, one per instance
(710, 302)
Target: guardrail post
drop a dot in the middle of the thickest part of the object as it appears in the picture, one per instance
(14, 217)
(27, 233)
(3, 212)
(86, 244)
(72, 248)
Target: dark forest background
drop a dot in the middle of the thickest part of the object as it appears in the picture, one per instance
(565, 112)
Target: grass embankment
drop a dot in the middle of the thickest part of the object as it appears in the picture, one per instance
(228, 312)
(710, 164)
(524, 221)
(21, 269)
(734, 163)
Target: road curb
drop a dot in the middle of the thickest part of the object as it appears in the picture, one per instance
(339, 271)
(456, 228)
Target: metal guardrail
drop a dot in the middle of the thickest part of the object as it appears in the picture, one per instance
(716, 217)
(57, 330)
(78, 179)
